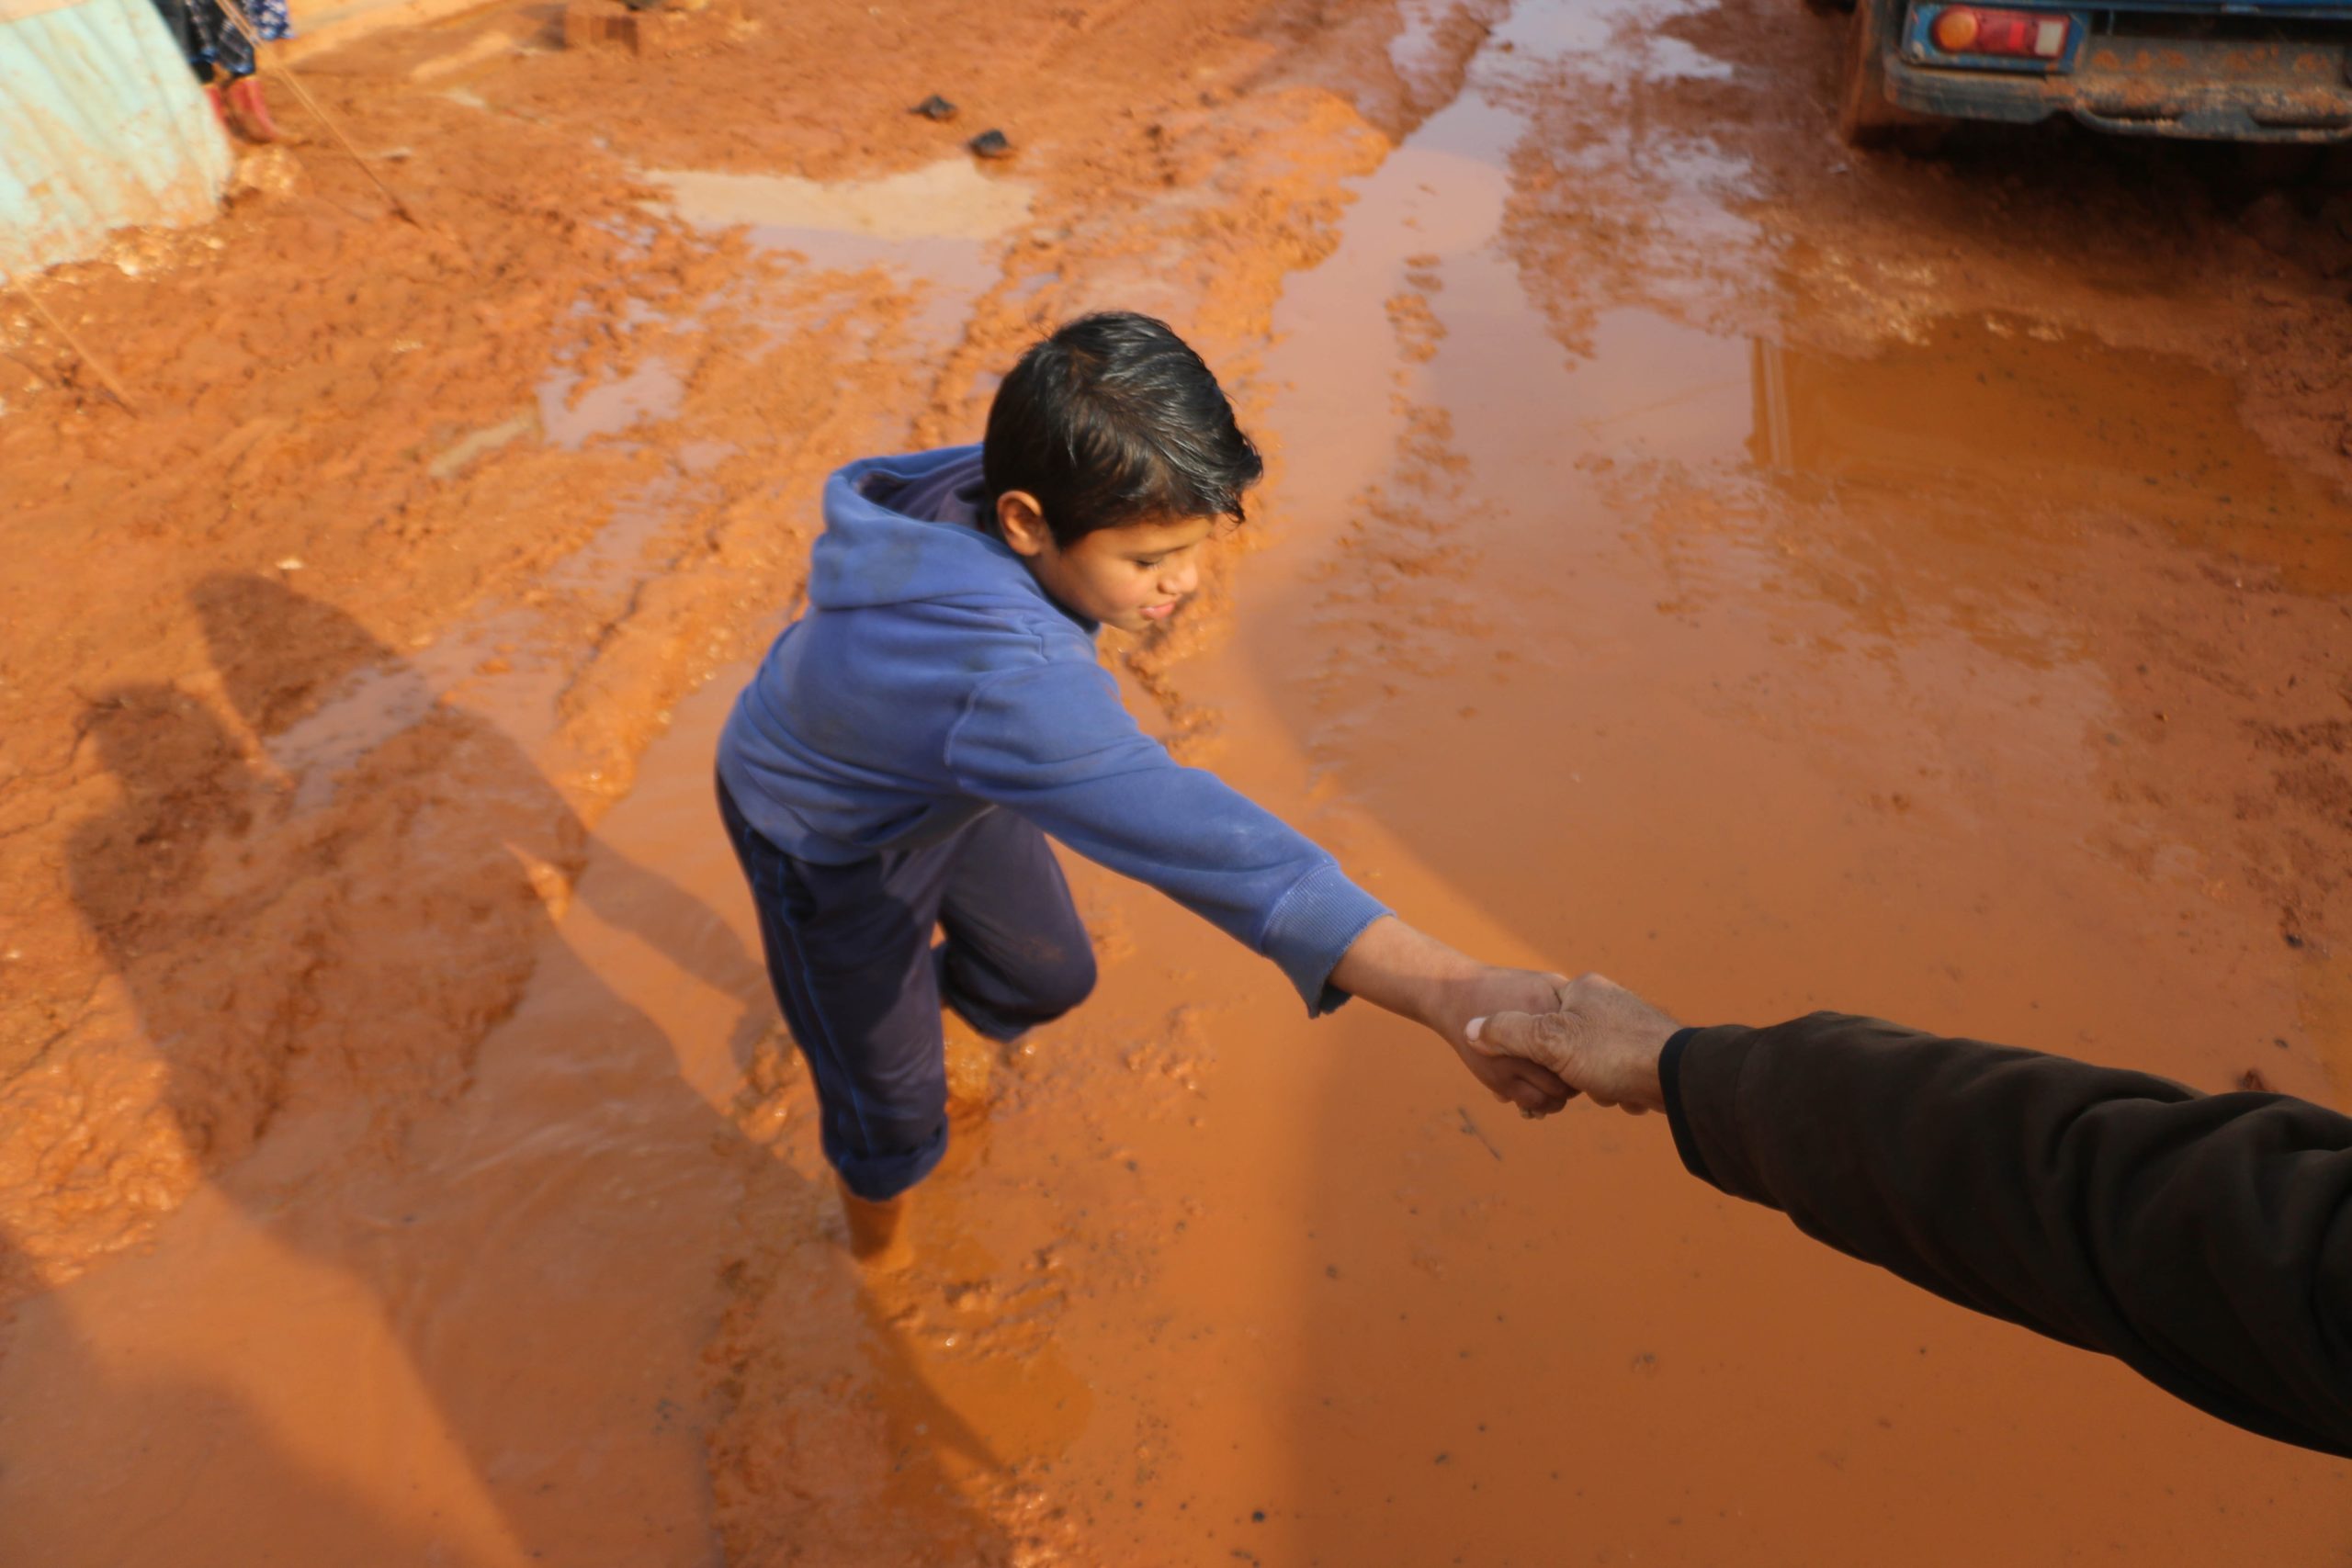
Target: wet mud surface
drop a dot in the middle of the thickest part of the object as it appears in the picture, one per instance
(1774, 577)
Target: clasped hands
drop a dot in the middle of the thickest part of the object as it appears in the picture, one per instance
(1534, 1040)
(1594, 1038)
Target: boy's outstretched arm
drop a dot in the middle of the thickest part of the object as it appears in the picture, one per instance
(1415, 975)
(1053, 742)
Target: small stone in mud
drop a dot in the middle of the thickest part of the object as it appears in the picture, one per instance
(934, 108)
(970, 1295)
(990, 144)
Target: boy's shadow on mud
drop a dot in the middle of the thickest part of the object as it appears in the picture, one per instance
(335, 932)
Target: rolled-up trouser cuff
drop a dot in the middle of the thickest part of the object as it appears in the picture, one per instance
(875, 1178)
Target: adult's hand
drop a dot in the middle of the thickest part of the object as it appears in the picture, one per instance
(1602, 1041)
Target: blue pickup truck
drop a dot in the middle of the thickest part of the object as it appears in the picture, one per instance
(2223, 70)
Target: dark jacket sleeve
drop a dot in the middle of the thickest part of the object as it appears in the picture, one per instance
(2204, 1239)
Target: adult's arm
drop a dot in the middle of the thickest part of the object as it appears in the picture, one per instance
(2205, 1240)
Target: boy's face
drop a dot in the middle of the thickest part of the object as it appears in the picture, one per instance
(1132, 577)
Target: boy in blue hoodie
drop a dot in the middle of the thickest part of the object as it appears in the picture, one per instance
(894, 768)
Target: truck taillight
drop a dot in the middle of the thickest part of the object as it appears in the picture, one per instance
(2015, 35)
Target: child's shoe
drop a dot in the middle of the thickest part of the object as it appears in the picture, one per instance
(878, 1236)
(251, 110)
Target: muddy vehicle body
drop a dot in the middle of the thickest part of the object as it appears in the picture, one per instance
(2236, 70)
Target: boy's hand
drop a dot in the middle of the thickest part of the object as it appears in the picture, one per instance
(1530, 1085)
(1394, 966)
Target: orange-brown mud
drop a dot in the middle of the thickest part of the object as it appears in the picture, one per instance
(1775, 577)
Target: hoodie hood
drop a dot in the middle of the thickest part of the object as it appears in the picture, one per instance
(902, 529)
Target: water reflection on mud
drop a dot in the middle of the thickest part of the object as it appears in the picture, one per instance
(2050, 426)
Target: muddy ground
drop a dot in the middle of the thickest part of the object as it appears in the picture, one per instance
(1776, 576)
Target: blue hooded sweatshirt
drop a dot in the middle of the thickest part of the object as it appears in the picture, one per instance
(931, 679)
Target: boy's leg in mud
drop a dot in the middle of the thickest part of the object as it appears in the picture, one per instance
(848, 954)
(1016, 954)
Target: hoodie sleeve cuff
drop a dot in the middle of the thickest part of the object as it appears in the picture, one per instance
(1311, 928)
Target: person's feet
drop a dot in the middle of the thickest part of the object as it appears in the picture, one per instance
(878, 1234)
(250, 111)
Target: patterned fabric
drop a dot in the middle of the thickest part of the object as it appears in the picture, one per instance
(213, 44)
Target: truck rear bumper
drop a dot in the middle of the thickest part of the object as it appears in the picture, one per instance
(2170, 87)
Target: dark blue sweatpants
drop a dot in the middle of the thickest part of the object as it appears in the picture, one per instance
(850, 951)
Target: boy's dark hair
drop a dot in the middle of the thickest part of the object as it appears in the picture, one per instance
(1111, 420)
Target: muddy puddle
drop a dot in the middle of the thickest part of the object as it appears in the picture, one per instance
(1757, 674)
(2014, 416)
(941, 228)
